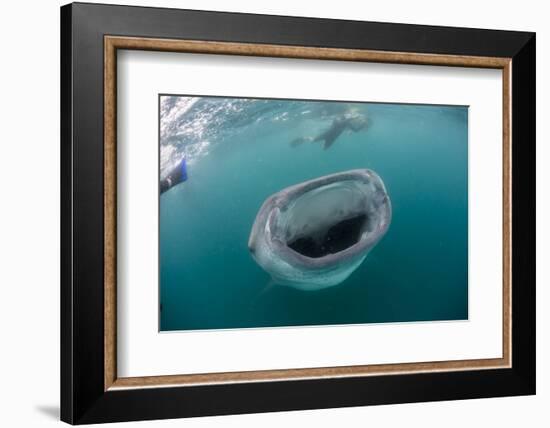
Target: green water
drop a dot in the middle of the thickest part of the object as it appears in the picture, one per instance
(417, 272)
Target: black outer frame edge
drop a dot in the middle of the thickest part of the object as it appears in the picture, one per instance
(300, 31)
(524, 213)
(168, 403)
(82, 397)
(66, 306)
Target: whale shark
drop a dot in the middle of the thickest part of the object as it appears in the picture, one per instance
(314, 234)
(352, 121)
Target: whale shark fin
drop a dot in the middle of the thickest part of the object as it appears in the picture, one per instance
(266, 289)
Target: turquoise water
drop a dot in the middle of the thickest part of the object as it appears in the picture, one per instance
(238, 153)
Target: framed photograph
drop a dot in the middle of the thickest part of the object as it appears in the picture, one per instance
(266, 213)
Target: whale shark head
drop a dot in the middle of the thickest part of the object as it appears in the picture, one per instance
(314, 234)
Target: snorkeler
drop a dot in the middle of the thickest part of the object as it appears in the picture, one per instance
(351, 120)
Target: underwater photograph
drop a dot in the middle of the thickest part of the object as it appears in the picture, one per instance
(282, 212)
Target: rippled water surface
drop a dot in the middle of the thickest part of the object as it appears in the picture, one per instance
(240, 151)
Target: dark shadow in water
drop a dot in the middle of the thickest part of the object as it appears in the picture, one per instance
(49, 410)
(332, 239)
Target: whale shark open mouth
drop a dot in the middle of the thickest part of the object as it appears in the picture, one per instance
(314, 234)
(341, 235)
(326, 219)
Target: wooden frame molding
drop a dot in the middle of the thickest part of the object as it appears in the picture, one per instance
(113, 43)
